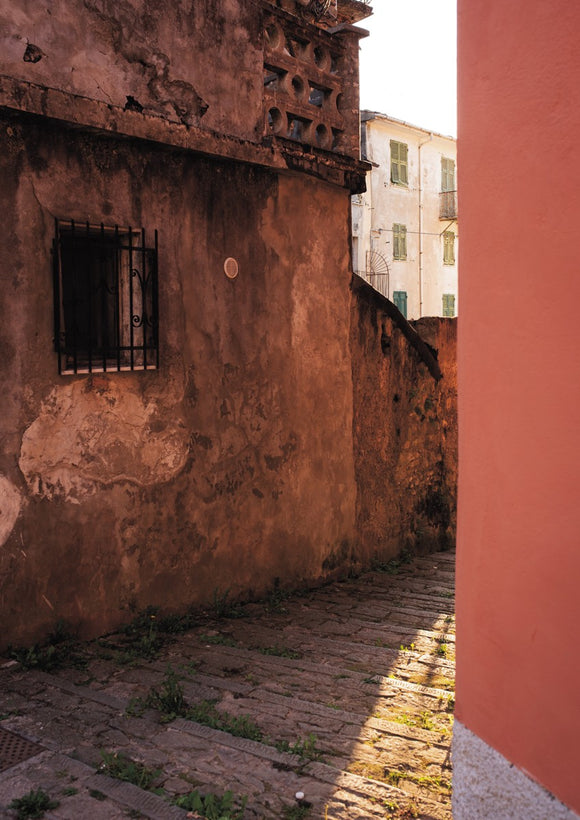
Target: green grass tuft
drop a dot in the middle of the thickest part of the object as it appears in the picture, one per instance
(211, 806)
(33, 804)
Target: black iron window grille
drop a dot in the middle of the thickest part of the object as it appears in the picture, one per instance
(105, 298)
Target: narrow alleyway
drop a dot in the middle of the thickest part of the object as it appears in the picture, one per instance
(343, 694)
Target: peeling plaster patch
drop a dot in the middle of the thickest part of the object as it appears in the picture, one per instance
(486, 785)
(86, 438)
(10, 503)
(131, 41)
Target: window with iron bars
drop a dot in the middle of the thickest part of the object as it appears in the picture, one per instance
(105, 298)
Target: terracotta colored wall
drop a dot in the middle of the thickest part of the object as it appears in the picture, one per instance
(519, 390)
(405, 431)
(238, 462)
(232, 464)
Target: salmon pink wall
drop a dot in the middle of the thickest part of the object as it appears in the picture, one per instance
(518, 600)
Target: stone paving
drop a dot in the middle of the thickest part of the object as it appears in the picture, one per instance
(343, 695)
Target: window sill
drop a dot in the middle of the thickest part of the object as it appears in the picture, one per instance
(86, 371)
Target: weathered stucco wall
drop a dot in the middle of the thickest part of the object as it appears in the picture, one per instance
(405, 430)
(232, 464)
(239, 461)
(181, 60)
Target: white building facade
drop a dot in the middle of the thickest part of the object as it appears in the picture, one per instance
(404, 228)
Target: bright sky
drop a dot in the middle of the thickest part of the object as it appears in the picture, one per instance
(408, 63)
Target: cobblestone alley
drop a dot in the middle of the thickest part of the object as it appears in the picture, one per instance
(334, 704)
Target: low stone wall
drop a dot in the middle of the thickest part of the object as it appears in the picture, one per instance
(405, 427)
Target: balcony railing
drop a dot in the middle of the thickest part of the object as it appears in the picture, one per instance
(448, 205)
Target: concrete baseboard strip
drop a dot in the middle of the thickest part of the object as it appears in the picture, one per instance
(486, 785)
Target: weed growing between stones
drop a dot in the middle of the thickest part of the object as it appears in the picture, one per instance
(393, 777)
(144, 637)
(222, 608)
(33, 804)
(450, 704)
(435, 681)
(206, 713)
(169, 700)
(121, 767)
(426, 722)
(396, 812)
(211, 806)
(305, 748)
(60, 649)
(442, 649)
(149, 632)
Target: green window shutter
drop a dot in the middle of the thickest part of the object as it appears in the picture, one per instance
(399, 241)
(449, 305)
(399, 162)
(449, 248)
(403, 163)
(447, 174)
(394, 161)
(400, 300)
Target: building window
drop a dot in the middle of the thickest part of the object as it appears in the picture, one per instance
(448, 195)
(400, 300)
(449, 305)
(447, 174)
(399, 241)
(399, 163)
(105, 298)
(448, 247)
